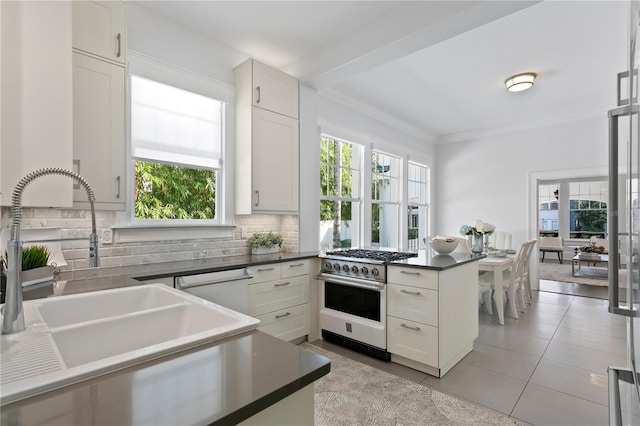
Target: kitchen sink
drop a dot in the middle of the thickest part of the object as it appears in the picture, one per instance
(73, 338)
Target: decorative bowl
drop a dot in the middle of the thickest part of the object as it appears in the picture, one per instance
(444, 246)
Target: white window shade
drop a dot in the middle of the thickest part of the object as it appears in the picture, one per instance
(173, 126)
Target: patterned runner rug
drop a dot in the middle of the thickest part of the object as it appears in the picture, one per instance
(357, 394)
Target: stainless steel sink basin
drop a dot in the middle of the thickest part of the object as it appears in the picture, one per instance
(72, 338)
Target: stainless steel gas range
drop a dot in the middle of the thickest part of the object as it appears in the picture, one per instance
(353, 298)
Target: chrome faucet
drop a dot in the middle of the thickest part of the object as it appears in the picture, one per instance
(13, 320)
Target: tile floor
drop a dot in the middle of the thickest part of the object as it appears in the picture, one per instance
(547, 368)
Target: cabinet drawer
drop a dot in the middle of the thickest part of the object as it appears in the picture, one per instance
(262, 273)
(280, 294)
(287, 324)
(295, 268)
(415, 277)
(413, 340)
(414, 304)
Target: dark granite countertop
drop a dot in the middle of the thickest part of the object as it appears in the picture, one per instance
(431, 260)
(223, 382)
(84, 280)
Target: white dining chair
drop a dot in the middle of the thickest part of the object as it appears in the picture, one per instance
(513, 279)
(500, 240)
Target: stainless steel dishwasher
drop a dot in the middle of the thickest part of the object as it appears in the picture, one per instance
(226, 288)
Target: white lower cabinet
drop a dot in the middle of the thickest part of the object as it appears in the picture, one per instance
(279, 298)
(412, 340)
(432, 316)
(286, 324)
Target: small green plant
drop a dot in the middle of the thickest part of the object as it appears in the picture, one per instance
(32, 257)
(265, 239)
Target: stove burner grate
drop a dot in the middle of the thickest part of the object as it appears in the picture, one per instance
(380, 255)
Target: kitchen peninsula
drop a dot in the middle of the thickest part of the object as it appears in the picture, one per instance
(432, 310)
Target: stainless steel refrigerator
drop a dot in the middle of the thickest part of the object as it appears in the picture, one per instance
(624, 229)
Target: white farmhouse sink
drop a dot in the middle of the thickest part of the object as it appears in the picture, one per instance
(73, 338)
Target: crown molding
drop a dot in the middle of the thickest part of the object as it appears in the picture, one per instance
(360, 106)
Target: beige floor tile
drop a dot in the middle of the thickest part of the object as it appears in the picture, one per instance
(510, 363)
(578, 356)
(591, 340)
(490, 389)
(595, 325)
(585, 384)
(510, 338)
(542, 406)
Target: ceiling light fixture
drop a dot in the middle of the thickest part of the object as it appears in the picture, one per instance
(520, 82)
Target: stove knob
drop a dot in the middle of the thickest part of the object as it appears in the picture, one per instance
(375, 272)
(345, 268)
(364, 270)
(355, 269)
(327, 265)
(336, 266)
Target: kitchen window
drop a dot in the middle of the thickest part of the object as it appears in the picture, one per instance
(385, 199)
(340, 193)
(417, 204)
(176, 147)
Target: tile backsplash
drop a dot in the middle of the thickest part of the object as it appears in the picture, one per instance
(77, 224)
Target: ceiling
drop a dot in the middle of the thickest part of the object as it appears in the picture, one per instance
(434, 69)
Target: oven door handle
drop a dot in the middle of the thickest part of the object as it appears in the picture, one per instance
(353, 282)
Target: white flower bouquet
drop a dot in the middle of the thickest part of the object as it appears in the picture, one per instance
(481, 228)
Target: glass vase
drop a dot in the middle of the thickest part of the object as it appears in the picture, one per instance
(478, 244)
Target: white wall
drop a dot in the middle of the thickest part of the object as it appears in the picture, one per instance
(488, 178)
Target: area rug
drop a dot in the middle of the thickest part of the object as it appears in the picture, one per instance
(562, 272)
(357, 394)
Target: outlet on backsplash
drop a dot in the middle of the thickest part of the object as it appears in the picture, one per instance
(107, 236)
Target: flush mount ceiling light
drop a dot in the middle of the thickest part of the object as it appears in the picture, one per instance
(520, 82)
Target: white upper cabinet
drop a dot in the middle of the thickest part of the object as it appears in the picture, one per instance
(274, 90)
(99, 79)
(99, 130)
(267, 140)
(99, 28)
(37, 110)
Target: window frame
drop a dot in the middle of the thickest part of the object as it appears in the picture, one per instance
(357, 166)
(423, 208)
(400, 180)
(164, 73)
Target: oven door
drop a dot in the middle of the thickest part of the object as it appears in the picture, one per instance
(355, 311)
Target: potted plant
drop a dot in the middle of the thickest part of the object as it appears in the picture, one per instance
(265, 242)
(35, 265)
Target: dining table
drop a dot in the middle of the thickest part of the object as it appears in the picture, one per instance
(497, 265)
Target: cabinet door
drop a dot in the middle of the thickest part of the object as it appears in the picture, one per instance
(98, 128)
(287, 324)
(275, 162)
(274, 90)
(36, 113)
(99, 27)
(415, 304)
(413, 340)
(275, 295)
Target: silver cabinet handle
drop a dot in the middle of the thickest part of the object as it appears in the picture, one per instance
(181, 284)
(76, 168)
(283, 315)
(415, 293)
(265, 269)
(118, 194)
(297, 264)
(409, 273)
(257, 94)
(119, 50)
(257, 198)
(281, 284)
(409, 327)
